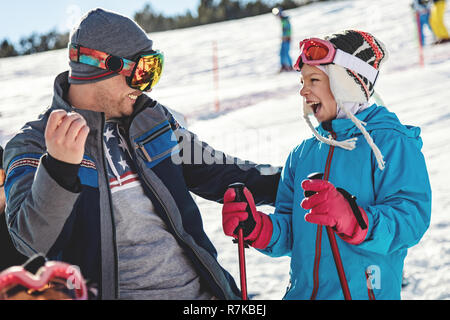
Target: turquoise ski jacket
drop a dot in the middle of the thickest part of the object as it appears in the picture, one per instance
(397, 201)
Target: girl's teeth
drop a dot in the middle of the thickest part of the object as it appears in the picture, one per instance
(131, 96)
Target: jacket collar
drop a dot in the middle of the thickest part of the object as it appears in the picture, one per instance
(344, 126)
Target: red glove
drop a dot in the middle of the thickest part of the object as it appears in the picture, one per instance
(335, 208)
(256, 226)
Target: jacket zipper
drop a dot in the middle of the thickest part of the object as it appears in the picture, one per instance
(320, 229)
(140, 144)
(142, 176)
(316, 263)
(370, 292)
(113, 223)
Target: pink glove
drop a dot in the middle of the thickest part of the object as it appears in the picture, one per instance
(335, 208)
(256, 226)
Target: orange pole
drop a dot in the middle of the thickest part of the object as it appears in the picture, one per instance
(216, 76)
(419, 35)
(243, 273)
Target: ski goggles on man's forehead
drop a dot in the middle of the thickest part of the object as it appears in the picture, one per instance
(316, 52)
(142, 74)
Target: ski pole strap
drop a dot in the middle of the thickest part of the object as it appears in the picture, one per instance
(247, 243)
(351, 199)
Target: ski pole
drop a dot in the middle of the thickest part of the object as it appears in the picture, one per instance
(334, 247)
(242, 272)
(240, 197)
(419, 36)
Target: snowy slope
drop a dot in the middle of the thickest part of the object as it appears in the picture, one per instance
(260, 119)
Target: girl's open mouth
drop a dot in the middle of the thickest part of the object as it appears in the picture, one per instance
(315, 106)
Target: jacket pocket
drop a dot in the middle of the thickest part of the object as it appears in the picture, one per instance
(157, 144)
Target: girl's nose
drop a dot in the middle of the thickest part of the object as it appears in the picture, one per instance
(304, 91)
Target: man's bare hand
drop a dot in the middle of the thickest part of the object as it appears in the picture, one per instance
(65, 136)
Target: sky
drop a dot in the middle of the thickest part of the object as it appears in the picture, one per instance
(21, 18)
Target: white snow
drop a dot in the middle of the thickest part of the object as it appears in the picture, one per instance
(260, 117)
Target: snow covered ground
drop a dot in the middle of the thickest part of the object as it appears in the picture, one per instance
(260, 117)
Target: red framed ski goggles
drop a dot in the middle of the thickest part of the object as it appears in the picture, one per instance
(53, 281)
(142, 73)
(316, 52)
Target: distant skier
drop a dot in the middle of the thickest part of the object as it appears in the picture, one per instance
(437, 21)
(285, 58)
(391, 207)
(422, 12)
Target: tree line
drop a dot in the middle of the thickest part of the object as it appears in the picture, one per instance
(208, 11)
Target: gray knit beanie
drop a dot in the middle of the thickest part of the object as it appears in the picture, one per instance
(109, 32)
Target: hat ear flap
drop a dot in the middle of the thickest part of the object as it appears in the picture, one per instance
(343, 86)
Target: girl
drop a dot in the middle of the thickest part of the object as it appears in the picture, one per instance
(374, 191)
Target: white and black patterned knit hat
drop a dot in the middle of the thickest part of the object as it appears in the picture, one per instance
(350, 89)
(347, 85)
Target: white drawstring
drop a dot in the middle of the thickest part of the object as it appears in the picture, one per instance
(349, 144)
(359, 124)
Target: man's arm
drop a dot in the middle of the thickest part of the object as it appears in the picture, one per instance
(208, 172)
(38, 205)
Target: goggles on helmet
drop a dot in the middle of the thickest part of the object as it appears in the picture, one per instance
(55, 280)
(141, 74)
(316, 51)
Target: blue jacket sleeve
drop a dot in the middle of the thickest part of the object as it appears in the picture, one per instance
(402, 210)
(281, 241)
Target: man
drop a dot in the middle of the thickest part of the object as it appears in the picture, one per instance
(102, 179)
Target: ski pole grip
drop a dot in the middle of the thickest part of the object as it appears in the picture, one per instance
(240, 197)
(239, 190)
(313, 176)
